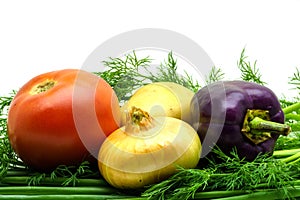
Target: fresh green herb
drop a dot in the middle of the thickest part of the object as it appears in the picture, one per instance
(291, 111)
(167, 71)
(249, 72)
(8, 158)
(72, 174)
(214, 75)
(295, 79)
(292, 141)
(229, 173)
(5, 102)
(60, 193)
(125, 75)
(121, 74)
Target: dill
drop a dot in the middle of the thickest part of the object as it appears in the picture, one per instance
(214, 75)
(167, 72)
(292, 141)
(8, 158)
(249, 72)
(292, 118)
(229, 173)
(71, 174)
(121, 74)
(127, 74)
(295, 79)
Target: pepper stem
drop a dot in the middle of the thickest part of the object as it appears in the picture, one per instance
(258, 127)
(264, 125)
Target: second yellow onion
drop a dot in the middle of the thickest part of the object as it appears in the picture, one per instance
(147, 150)
(161, 99)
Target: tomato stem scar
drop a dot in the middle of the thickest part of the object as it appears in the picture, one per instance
(42, 87)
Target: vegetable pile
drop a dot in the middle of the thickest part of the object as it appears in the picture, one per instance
(153, 147)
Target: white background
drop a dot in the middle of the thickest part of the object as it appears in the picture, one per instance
(40, 36)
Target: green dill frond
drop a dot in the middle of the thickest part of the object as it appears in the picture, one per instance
(228, 173)
(167, 71)
(183, 185)
(214, 75)
(127, 74)
(36, 179)
(292, 141)
(122, 74)
(68, 175)
(8, 157)
(249, 72)
(295, 79)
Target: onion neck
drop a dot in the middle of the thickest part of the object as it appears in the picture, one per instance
(137, 121)
(258, 127)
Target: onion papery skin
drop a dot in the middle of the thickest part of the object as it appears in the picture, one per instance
(134, 160)
(161, 99)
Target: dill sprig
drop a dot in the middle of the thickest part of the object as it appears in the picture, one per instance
(229, 173)
(71, 174)
(127, 74)
(121, 74)
(167, 72)
(216, 74)
(292, 141)
(8, 157)
(249, 72)
(295, 79)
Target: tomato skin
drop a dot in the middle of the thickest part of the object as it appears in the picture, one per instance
(44, 128)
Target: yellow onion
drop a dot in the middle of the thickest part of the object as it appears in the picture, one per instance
(147, 150)
(161, 99)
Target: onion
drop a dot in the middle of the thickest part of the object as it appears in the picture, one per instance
(161, 99)
(147, 150)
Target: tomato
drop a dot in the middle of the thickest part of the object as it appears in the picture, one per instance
(62, 118)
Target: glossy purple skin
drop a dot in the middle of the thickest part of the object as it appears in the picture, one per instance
(240, 96)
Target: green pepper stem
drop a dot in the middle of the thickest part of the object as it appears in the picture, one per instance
(269, 126)
(258, 128)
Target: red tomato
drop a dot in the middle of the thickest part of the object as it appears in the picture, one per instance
(61, 118)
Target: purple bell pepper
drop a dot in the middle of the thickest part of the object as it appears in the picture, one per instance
(238, 114)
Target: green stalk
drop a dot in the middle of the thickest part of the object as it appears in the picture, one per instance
(292, 116)
(58, 181)
(36, 190)
(294, 162)
(291, 158)
(285, 153)
(218, 194)
(63, 197)
(204, 195)
(267, 194)
(266, 185)
(291, 108)
(131, 198)
(17, 173)
(244, 194)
